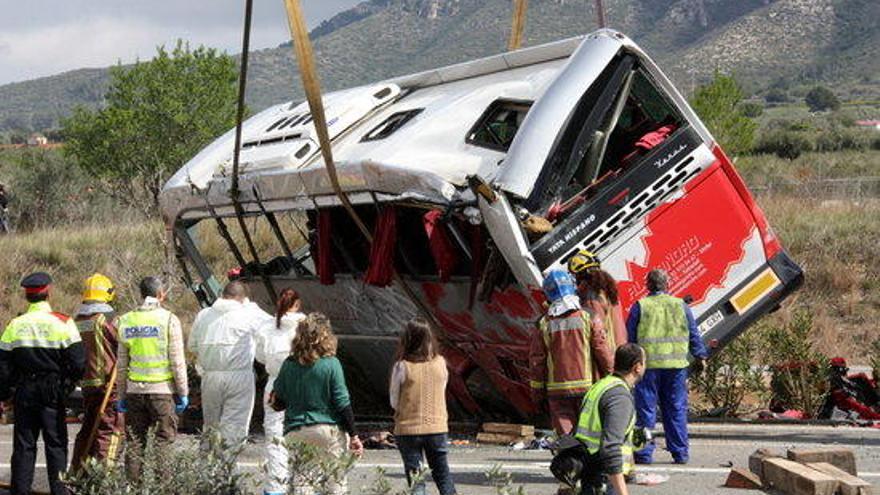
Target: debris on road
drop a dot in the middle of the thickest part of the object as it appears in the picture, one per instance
(849, 484)
(826, 471)
(743, 478)
(840, 457)
(506, 434)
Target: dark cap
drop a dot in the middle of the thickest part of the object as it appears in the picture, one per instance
(36, 282)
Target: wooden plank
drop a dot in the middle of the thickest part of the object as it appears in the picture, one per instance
(796, 479)
(849, 484)
(509, 429)
(743, 478)
(837, 456)
(499, 438)
(756, 461)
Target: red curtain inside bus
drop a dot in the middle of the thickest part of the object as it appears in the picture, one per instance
(381, 269)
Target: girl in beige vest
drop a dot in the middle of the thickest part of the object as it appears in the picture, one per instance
(418, 396)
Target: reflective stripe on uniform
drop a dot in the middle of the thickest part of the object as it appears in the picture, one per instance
(665, 340)
(38, 328)
(145, 334)
(569, 385)
(578, 321)
(589, 427)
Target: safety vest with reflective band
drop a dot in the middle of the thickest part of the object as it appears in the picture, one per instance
(589, 428)
(145, 334)
(39, 328)
(663, 331)
(569, 360)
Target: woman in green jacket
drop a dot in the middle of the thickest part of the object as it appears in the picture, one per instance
(311, 391)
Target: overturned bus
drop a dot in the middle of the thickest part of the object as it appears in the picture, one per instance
(449, 169)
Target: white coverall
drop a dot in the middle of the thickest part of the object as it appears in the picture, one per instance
(223, 341)
(273, 347)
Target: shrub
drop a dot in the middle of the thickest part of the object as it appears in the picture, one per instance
(731, 376)
(842, 139)
(751, 109)
(718, 105)
(821, 98)
(314, 468)
(776, 95)
(46, 190)
(799, 372)
(166, 471)
(784, 144)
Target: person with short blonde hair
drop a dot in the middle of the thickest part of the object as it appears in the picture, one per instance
(311, 391)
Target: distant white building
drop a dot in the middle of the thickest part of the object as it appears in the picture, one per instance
(875, 124)
(37, 139)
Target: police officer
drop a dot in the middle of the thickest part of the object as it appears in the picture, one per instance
(605, 435)
(152, 386)
(42, 356)
(665, 327)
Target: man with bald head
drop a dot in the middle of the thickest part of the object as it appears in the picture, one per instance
(223, 343)
(665, 327)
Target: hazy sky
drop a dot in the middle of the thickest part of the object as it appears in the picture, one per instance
(44, 37)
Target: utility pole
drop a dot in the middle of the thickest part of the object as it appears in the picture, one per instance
(600, 14)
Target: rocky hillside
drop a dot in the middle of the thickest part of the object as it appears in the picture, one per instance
(764, 42)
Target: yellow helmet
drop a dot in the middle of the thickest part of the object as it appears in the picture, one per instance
(98, 288)
(583, 261)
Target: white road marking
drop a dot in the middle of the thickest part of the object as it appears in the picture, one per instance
(536, 466)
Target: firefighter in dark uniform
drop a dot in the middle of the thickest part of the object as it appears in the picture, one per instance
(41, 357)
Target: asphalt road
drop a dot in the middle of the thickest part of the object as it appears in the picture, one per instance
(713, 450)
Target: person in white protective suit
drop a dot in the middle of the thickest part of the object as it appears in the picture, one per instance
(223, 341)
(273, 348)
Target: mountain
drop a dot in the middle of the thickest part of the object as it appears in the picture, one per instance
(763, 42)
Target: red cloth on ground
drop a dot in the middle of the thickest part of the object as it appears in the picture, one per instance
(381, 269)
(326, 274)
(441, 247)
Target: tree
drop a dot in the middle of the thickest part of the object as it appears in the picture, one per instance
(751, 109)
(776, 95)
(821, 98)
(158, 114)
(718, 105)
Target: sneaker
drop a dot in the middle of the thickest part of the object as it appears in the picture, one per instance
(644, 460)
(680, 460)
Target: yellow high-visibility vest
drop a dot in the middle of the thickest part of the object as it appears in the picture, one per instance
(589, 428)
(145, 334)
(663, 331)
(38, 328)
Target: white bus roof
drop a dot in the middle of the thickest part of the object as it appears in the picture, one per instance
(426, 159)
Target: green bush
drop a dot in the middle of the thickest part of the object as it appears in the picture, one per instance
(718, 105)
(799, 371)
(821, 98)
(842, 139)
(751, 109)
(166, 471)
(784, 144)
(776, 95)
(731, 376)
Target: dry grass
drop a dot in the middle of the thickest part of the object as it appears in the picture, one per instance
(838, 245)
(125, 253)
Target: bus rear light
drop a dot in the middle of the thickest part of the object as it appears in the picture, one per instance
(754, 291)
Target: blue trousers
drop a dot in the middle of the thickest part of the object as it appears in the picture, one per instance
(668, 387)
(413, 448)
